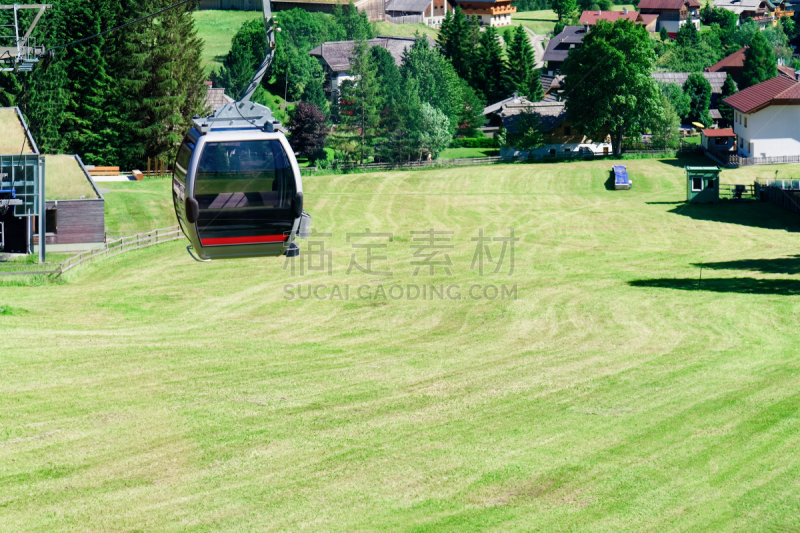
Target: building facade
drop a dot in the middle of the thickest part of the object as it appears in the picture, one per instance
(672, 14)
(494, 14)
(766, 118)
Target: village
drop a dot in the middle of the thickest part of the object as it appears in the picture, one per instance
(399, 265)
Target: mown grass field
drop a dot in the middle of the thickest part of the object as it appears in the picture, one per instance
(217, 29)
(618, 392)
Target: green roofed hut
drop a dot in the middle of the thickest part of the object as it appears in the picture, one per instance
(702, 184)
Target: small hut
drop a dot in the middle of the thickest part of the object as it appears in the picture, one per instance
(702, 184)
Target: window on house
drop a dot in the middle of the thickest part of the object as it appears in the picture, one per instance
(720, 140)
(697, 184)
(710, 184)
(552, 151)
(745, 122)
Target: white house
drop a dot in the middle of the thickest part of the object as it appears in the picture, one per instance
(672, 14)
(767, 118)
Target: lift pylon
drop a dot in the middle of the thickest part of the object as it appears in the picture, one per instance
(23, 53)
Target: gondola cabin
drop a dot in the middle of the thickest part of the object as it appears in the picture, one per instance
(238, 193)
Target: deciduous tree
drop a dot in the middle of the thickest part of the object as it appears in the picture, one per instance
(609, 84)
(307, 129)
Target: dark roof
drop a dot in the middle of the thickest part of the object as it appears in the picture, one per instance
(726, 132)
(337, 53)
(515, 99)
(716, 79)
(674, 5)
(558, 47)
(734, 60)
(779, 90)
(551, 114)
(415, 6)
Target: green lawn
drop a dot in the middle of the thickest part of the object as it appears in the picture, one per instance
(619, 392)
(544, 21)
(540, 22)
(217, 29)
(455, 153)
(405, 30)
(138, 206)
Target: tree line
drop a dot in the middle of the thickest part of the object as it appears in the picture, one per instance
(410, 111)
(116, 99)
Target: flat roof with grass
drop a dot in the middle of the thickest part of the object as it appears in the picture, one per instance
(65, 179)
(13, 140)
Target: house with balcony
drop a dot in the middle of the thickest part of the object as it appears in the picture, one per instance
(766, 118)
(495, 13)
(761, 11)
(672, 14)
(559, 46)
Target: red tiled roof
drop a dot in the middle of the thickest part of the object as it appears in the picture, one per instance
(647, 19)
(674, 5)
(736, 59)
(591, 17)
(786, 71)
(779, 90)
(726, 132)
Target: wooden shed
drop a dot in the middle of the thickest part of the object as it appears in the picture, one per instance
(702, 184)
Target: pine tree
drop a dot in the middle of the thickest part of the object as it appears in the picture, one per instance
(315, 94)
(521, 60)
(495, 80)
(664, 34)
(87, 120)
(161, 87)
(360, 106)
(355, 23)
(728, 89)
(759, 62)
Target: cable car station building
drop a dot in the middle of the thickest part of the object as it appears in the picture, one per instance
(74, 209)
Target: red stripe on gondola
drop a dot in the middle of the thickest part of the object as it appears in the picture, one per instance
(255, 239)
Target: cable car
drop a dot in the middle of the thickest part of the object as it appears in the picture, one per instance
(236, 185)
(239, 194)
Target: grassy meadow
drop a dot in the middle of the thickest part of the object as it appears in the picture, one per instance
(217, 29)
(645, 377)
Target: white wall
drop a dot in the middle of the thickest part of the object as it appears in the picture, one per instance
(674, 25)
(773, 131)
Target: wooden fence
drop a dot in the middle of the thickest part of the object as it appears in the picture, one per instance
(473, 161)
(406, 19)
(781, 193)
(109, 249)
(732, 159)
